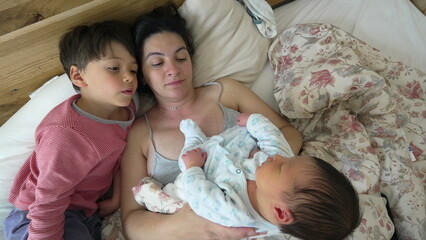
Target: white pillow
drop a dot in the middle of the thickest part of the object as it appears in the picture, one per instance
(227, 42)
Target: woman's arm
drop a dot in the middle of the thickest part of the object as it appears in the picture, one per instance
(133, 168)
(239, 97)
(139, 223)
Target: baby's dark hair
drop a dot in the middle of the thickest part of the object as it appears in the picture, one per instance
(325, 207)
(162, 19)
(86, 43)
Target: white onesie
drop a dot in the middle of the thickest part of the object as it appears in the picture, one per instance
(218, 191)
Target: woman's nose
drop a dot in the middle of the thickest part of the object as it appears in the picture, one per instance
(172, 69)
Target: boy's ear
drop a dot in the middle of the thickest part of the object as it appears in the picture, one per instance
(76, 78)
(283, 214)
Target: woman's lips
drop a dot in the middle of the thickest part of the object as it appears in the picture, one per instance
(175, 83)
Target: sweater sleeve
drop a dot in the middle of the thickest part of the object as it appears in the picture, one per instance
(63, 158)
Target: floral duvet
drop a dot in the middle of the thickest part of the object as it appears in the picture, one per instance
(360, 111)
(365, 114)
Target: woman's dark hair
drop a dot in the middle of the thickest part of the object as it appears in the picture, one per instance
(326, 207)
(162, 19)
(89, 42)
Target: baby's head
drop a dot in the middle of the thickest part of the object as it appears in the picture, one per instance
(87, 43)
(312, 199)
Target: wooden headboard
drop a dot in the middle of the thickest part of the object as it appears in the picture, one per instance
(29, 35)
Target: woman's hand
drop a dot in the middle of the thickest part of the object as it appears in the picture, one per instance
(196, 227)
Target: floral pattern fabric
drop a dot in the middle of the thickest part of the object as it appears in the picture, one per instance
(362, 112)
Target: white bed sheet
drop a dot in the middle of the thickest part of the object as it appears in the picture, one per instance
(396, 27)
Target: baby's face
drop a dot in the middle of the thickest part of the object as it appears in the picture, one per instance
(278, 174)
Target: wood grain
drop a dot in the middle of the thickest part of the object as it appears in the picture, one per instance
(18, 14)
(421, 5)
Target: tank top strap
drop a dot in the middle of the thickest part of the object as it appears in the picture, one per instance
(230, 115)
(150, 131)
(221, 89)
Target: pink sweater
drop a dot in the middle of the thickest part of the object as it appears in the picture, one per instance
(71, 167)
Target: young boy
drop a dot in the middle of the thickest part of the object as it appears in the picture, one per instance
(302, 196)
(79, 143)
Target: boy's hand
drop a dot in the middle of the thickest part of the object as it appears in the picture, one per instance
(107, 207)
(194, 158)
(242, 119)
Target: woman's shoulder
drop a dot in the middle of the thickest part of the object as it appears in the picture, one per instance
(229, 82)
(140, 127)
(218, 87)
(232, 91)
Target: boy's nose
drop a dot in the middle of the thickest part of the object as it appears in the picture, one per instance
(129, 77)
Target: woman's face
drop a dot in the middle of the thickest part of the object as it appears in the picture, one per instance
(167, 66)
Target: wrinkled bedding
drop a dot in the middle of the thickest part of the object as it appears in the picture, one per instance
(362, 112)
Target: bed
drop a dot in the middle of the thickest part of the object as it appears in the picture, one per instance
(348, 74)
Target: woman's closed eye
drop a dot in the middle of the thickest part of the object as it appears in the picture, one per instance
(181, 59)
(157, 64)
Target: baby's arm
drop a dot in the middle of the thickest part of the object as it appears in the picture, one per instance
(194, 158)
(270, 138)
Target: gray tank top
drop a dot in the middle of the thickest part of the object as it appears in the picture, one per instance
(166, 170)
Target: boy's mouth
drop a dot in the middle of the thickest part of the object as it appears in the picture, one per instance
(128, 91)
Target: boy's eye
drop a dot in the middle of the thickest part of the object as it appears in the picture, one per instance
(114, 68)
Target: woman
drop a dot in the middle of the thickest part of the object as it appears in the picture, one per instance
(155, 141)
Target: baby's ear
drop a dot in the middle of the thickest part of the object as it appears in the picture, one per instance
(283, 214)
(76, 77)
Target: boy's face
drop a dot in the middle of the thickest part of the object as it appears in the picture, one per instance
(110, 81)
(279, 174)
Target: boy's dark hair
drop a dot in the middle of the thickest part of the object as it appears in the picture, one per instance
(325, 207)
(89, 42)
(162, 19)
